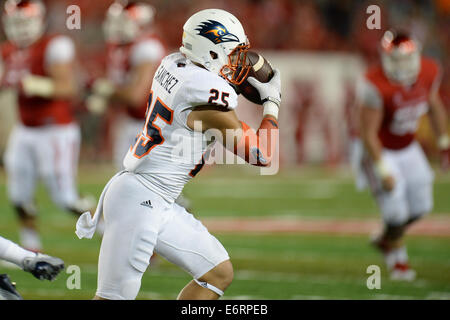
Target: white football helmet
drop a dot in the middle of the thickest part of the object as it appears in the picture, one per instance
(125, 23)
(400, 57)
(215, 39)
(23, 21)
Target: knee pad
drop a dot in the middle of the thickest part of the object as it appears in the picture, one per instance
(209, 286)
(26, 210)
(142, 249)
(421, 202)
(395, 212)
(21, 195)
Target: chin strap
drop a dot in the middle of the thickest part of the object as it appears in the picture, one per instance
(206, 285)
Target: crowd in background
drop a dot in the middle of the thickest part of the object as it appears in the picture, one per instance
(303, 25)
(289, 25)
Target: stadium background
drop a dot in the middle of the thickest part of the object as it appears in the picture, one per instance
(303, 233)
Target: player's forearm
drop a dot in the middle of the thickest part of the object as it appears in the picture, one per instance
(135, 92)
(438, 119)
(132, 95)
(12, 252)
(258, 148)
(370, 120)
(373, 146)
(48, 87)
(65, 89)
(375, 150)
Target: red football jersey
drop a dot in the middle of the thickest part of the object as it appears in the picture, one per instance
(18, 62)
(403, 106)
(119, 65)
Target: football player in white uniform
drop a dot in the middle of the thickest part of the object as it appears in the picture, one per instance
(191, 93)
(45, 142)
(133, 53)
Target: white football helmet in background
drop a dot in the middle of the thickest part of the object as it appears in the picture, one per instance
(400, 57)
(215, 39)
(124, 23)
(23, 21)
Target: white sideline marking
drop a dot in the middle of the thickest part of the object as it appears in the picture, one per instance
(308, 182)
(46, 292)
(242, 297)
(9, 265)
(252, 275)
(314, 192)
(306, 297)
(381, 296)
(239, 275)
(438, 295)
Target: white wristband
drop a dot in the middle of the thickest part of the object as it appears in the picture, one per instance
(103, 87)
(38, 86)
(382, 168)
(444, 142)
(270, 108)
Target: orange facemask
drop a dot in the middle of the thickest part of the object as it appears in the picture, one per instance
(238, 67)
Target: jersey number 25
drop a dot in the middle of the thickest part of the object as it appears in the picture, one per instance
(151, 135)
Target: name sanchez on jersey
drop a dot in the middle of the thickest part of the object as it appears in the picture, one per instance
(165, 79)
(167, 153)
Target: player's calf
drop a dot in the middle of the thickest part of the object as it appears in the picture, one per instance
(390, 238)
(390, 243)
(211, 285)
(220, 276)
(28, 234)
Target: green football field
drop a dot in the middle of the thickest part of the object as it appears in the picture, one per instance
(268, 264)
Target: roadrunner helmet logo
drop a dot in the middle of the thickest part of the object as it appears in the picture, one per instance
(216, 32)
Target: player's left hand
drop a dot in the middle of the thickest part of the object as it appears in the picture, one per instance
(270, 90)
(96, 104)
(43, 266)
(103, 87)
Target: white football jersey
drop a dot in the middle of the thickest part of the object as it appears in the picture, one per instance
(167, 153)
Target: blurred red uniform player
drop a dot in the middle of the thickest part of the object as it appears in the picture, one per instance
(393, 97)
(132, 55)
(45, 143)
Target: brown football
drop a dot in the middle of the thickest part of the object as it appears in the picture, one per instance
(261, 70)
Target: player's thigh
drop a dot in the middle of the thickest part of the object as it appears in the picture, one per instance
(58, 160)
(20, 165)
(393, 204)
(419, 180)
(186, 242)
(131, 230)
